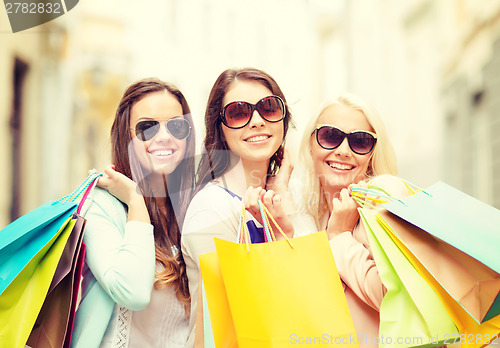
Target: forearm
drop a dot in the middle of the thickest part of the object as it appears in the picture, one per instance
(120, 254)
(358, 269)
(137, 210)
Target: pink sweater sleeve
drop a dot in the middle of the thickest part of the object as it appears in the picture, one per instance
(356, 266)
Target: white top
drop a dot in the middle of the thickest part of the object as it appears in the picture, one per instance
(213, 212)
(162, 324)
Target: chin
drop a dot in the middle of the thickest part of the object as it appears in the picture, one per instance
(164, 169)
(341, 181)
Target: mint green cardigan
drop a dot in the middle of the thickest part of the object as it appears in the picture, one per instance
(119, 267)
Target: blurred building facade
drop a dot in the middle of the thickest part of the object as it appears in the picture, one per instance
(430, 67)
(58, 95)
(29, 77)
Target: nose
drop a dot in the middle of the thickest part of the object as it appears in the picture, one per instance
(257, 120)
(163, 134)
(343, 149)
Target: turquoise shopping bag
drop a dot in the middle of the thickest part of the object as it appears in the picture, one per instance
(23, 298)
(24, 238)
(30, 261)
(21, 240)
(459, 220)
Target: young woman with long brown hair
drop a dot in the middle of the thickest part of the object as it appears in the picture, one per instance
(246, 119)
(135, 291)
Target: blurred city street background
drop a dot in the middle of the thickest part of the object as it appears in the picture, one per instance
(432, 68)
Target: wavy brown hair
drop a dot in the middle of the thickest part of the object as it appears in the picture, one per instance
(178, 185)
(215, 160)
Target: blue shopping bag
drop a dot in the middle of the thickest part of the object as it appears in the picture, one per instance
(25, 237)
(30, 256)
(456, 218)
(21, 240)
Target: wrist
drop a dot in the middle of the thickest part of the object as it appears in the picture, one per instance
(289, 232)
(135, 200)
(137, 210)
(332, 233)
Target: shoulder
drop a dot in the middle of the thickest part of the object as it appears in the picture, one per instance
(105, 199)
(102, 203)
(211, 205)
(212, 197)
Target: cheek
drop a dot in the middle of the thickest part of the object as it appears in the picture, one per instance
(318, 156)
(138, 150)
(140, 147)
(181, 147)
(363, 162)
(228, 135)
(280, 129)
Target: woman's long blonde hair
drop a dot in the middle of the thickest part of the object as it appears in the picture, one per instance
(383, 160)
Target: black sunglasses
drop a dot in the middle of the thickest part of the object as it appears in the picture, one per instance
(238, 114)
(146, 130)
(330, 137)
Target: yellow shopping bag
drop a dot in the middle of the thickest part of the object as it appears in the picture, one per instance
(221, 320)
(283, 293)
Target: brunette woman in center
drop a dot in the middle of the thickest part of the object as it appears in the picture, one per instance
(247, 119)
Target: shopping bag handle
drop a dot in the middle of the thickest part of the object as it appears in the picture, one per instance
(89, 188)
(377, 195)
(82, 191)
(266, 216)
(268, 232)
(242, 225)
(242, 234)
(373, 195)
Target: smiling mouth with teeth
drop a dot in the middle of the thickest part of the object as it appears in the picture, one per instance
(257, 138)
(340, 166)
(162, 153)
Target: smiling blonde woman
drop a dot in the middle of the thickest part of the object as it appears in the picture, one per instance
(343, 146)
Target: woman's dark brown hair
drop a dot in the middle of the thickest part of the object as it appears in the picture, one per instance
(216, 159)
(179, 183)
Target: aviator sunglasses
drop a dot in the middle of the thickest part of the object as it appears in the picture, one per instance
(238, 114)
(146, 130)
(330, 137)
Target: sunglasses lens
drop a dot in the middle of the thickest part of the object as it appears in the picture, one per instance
(178, 128)
(271, 109)
(361, 142)
(237, 114)
(329, 137)
(146, 130)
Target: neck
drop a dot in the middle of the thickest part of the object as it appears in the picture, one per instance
(255, 173)
(243, 174)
